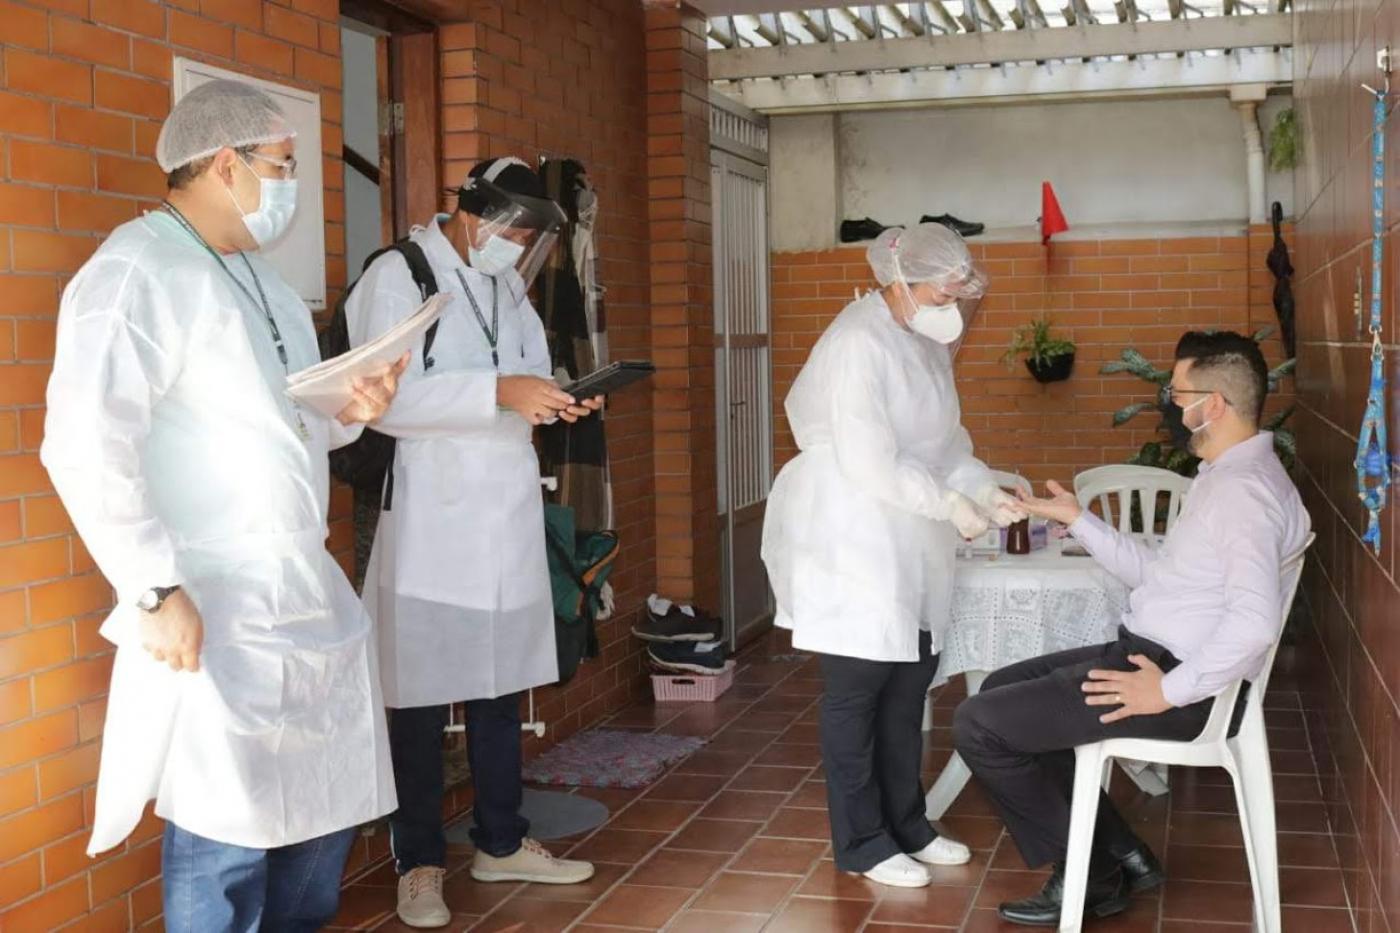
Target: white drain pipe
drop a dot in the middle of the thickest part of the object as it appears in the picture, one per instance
(1246, 99)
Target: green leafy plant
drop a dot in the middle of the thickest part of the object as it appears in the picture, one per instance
(1283, 141)
(1161, 453)
(1036, 343)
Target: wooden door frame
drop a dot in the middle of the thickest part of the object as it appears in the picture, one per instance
(412, 75)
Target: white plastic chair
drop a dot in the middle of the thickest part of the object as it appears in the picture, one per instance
(1117, 485)
(1245, 757)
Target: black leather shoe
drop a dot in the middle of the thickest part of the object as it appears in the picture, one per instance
(853, 231)
(963, 228)
(1107, 895)
(1142, 870)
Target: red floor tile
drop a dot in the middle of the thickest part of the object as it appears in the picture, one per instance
(744, 893)
(819, 915)
(744, 805)
(715, 835)
(709, 921)
(779, 856)
(635, 906)
(936, 905)
(669, 867)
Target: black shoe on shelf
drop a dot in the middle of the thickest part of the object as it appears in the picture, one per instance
(963, 228)
(1107, 895)
(853, 231)
(666, 621)
(1142, 870)
(687, 657)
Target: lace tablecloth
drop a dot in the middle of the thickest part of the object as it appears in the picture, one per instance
(1009, 608)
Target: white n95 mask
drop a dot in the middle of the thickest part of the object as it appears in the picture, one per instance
(277, 204)
(498, 255)
(942, 323)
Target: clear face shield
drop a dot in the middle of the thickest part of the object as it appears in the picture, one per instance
(933, 273)
(514, 233)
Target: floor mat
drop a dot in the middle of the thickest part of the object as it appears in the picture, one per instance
(610, 758)
(552, 814)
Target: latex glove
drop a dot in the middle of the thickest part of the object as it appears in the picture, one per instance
(965, 515)
(1000, 506)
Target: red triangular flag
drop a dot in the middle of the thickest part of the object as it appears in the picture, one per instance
(1052, 219)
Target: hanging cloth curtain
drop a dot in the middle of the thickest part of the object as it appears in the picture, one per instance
(1372, 452)
(571, 305)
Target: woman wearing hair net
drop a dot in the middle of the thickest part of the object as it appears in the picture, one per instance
(861, 535)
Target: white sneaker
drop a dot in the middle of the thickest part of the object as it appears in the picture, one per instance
(943, 851)
(900, 871)
(420, 898)
(531, 862)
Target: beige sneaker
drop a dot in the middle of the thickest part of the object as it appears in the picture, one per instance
(420, 898)
(531, 862)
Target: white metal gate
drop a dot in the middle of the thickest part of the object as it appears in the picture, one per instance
(743, 367)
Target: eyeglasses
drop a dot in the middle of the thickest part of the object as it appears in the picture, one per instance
(287, 166)
(1168, 393)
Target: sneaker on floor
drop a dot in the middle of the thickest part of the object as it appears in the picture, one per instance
(900, 871)
(531, 862)
(420, 898)
(943, 851)
(666, 621)
(706, 657)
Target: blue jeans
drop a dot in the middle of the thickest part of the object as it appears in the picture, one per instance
(217, 887)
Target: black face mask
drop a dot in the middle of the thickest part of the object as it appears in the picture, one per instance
(1174, 417)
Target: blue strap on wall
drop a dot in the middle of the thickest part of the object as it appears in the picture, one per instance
(1372, 452)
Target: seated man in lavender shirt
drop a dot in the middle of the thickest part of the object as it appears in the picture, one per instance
(1205, 609)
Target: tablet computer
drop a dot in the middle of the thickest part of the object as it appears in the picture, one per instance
(610, 378)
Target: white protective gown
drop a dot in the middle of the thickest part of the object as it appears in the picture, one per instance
(856, 548)
(457, 580)
(176, 453)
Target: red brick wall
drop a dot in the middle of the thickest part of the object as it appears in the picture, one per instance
(1352, 592)
(86, 84)
(682, 310)
(1103, 295)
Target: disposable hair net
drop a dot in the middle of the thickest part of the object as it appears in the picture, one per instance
(215, 115)
(926, 253)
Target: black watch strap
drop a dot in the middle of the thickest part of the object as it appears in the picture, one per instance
(161, 593)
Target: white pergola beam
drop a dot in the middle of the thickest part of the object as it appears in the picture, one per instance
(1072, 79)
(1271, 30)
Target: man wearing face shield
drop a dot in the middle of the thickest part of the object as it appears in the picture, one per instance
(861, 535)
(244, 696)
(457, 580)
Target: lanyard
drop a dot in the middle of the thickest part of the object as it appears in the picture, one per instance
(1372, 463)
(260, 302)
(492, 333)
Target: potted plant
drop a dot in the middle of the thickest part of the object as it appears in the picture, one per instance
(1048, 358)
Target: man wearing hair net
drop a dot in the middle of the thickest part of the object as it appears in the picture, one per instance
(861, 535)
(244, 697)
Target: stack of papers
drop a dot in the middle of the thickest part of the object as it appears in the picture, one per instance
(330, 385)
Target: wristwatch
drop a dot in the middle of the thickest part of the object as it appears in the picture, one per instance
(154, 598)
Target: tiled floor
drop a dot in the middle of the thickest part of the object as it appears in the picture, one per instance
(734, 839)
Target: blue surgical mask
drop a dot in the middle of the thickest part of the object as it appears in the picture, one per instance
(277, 205)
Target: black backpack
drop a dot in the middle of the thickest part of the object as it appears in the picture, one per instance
(367, 462)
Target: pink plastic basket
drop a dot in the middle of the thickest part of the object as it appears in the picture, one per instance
(690, 688)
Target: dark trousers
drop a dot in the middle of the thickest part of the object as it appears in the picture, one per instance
(493, 752)
(872, 746)
(1019, 733)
